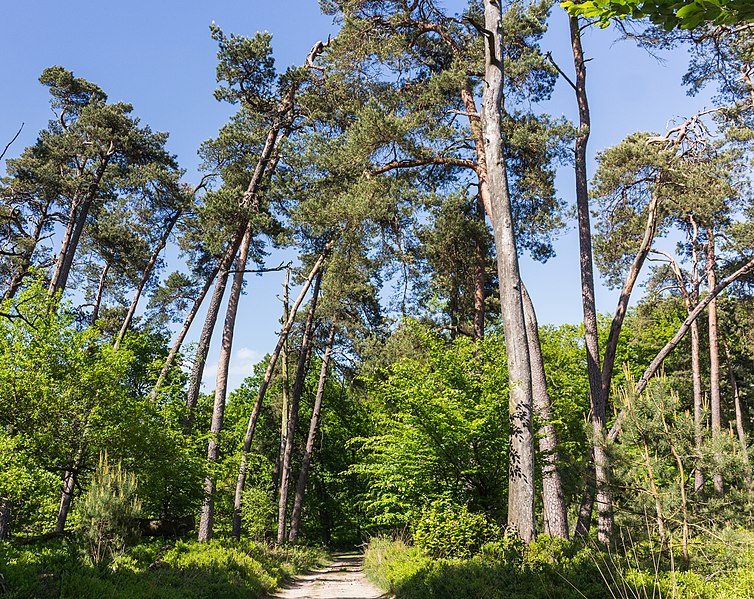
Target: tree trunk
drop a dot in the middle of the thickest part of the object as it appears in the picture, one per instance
(146, 275)
(284, 407)
(200, 359)
(69, 486)
(23, 268)
(74, 228)
(298, 389)
(241, 481)
(586, 507)
(696, 379)
(739, 412)
(306, 461)
(221, 388)
(100, 292)
(521, 461)
(553, 499)
(479, 276)
(6, 510)
(714, 361)
(598, 396)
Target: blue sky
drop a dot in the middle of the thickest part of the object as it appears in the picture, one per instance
(159, 56)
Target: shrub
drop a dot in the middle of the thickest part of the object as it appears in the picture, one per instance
(445, 529)
(108, 512)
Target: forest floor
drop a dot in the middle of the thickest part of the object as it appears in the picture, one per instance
(342, 579)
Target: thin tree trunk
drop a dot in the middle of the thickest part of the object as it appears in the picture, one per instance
(202, 349)
(221, 388)
(241, 481)
(100, 292)
(696, 379)
(479, 276)
(661, 529)
(714, 361)
(306, 461)
(6, 510)
(69, 485)
(298, 388)
(553, 498)
(672, 343)
(521, 461)
(184, 329)
(146, 275)
(23, 268)
(586, 506)
(739, 412)
(597, 394)
(284, 407)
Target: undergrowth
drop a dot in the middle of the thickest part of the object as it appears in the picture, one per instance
(721, 567)
(178, 570)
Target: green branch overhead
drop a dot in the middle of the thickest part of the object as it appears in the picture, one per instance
(686, 14)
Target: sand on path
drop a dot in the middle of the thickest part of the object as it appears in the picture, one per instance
(343, 579)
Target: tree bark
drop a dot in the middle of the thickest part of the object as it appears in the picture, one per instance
(306, 461)
(553, 498)
(221, 388)
(74, 228)
(479, 277)
(521, 461)
(739, 412)
(284, 407)
(241, 481)
(298, 388)
(69, 486)
(200, 359)
(146, 275)
(597, 394)
(714, 361)
(100, 292)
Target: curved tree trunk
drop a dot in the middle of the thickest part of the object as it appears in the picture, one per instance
(553, 498)
(100, 292)
(306, 461)
(251, 427)
(221, 388)
(69, 486)
(521, 462)
(298, 388)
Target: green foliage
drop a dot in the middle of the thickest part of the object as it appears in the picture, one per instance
(687, 14)
(108, 512)
(447, 530)
(186, 570)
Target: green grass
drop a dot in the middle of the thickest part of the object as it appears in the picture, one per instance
(183, 569)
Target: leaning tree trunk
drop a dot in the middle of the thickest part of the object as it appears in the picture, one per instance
(284, 406)
(298, 389)
(22, 269)
(241, 481)
(74, 229)
(221, 389)
(200, 359)
(306, 461)
(520, 403)
(553, 498)
(714, 362)
(146, 275)
(598, 396)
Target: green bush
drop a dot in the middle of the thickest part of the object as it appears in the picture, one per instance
(108, 512)
(445, 529)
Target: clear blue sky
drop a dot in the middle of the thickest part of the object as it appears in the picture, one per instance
(159, 56)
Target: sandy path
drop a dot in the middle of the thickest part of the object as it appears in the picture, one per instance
(343, 579)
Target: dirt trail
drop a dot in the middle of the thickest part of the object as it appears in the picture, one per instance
(343, 579)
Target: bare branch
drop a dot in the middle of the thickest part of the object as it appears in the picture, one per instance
(15, 137)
